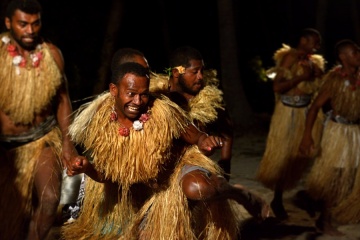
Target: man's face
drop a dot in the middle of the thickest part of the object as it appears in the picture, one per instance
(313, 44)
(191, 81)
(24, 28)
(352, 54)
(131, 96)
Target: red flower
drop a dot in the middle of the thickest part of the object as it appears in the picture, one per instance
(113, 116)
(124, 131)
(11, 48)
(36, 59)
(23, 62)
(144, 117)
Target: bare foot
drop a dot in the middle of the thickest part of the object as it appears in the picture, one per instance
(326, 228)
(279, 210)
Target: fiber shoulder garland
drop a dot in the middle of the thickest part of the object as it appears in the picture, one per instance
(159, 83)
(19, 93)
(138, 157)
(204, 106)
(345, 98)
(296, 70)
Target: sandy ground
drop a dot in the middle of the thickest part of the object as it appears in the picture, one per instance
(247, 152)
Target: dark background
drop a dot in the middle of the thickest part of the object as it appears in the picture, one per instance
(81, 29)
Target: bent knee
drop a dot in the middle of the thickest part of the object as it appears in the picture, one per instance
(196, 185)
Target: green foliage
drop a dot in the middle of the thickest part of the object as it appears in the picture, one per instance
(256, 66)
(168, 71)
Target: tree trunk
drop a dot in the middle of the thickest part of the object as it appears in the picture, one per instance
(113, 25)
(321, 15)
(355, 19)
(236, 102)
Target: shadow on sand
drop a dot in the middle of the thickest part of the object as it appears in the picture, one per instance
(272, 228)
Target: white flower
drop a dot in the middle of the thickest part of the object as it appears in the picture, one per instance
(271, 75)
(5, 39)
(34, 58)
(17, 60)
(137, 125)
(347, 83)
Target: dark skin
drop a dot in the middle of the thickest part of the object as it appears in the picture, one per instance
(350, 59)
(310, 71)
(307, 45)
(25, 30)
(131, 98)
(188, 84)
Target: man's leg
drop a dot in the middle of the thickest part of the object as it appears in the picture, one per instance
(47, 186)
(202, 185)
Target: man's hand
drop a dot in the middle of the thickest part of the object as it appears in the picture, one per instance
(306, 146)
(207, 144)
(78, 164)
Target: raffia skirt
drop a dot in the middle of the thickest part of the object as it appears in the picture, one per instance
(335, 175)
(281, 165)
(165, 215)
(17, 171)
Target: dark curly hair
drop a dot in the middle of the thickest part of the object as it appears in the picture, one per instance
(27, 6)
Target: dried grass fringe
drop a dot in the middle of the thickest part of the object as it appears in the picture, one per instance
(281, 162)
(16, 183)
(19, 94)
(167, 214)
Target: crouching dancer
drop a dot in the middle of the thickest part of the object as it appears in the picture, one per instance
(149, 176)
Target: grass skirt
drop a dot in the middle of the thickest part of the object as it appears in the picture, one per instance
(334, 171)
(281, 166)
(165, 215)
(17, 172)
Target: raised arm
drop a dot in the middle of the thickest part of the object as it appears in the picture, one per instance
(283, 85)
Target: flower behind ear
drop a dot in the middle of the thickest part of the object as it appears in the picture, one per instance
(181, 69)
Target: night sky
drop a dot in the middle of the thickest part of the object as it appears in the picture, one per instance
(156, 27)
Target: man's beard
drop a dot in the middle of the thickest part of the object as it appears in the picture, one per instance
(27, 46)
(185, 88)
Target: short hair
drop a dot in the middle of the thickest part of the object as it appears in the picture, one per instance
(341, 45)
(310, 32)
(306, 32)
(182, 56)
(26, 6)
(128, 67)
(124, 55)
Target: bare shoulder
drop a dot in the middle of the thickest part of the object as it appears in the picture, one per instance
(57, 55)
(289, 59)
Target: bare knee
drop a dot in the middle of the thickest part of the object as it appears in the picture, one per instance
(196, 185)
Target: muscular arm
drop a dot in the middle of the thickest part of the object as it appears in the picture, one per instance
(307, 141)
(63, 110)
